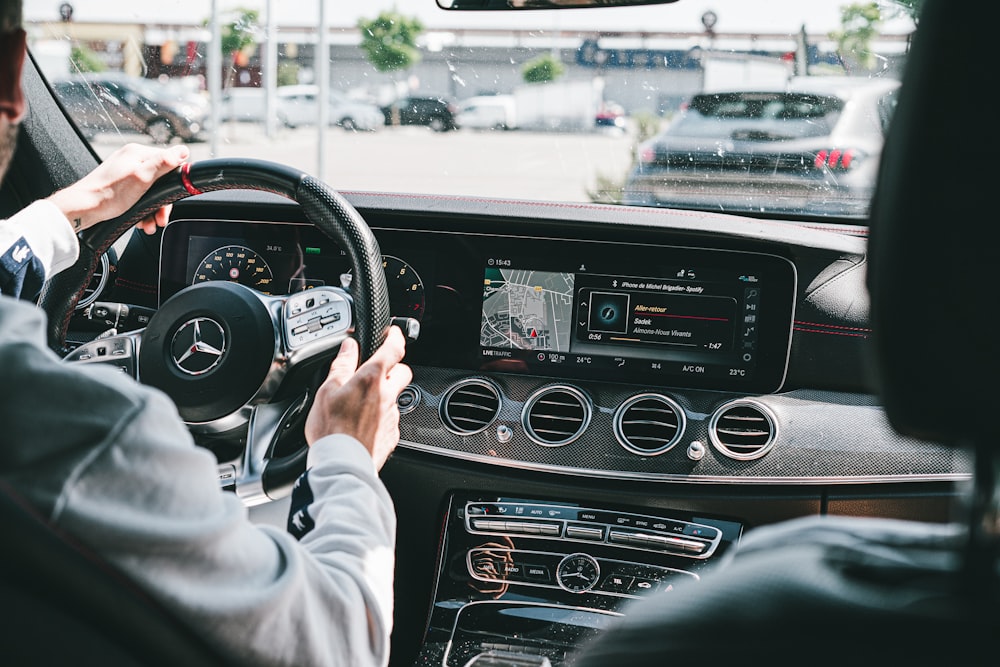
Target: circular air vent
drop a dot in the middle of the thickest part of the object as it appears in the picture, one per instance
(97, 283)
(469, 406)
(649, 424)
(556, 415)
(743, 430)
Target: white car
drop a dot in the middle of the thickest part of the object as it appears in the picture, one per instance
(296, 105)
(487, 112)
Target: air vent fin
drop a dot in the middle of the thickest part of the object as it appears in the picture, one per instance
(470, 406)
(556, 415)
(649, 424)
(743, 430)
(97, 283)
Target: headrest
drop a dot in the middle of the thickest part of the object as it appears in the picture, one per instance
(934, 273)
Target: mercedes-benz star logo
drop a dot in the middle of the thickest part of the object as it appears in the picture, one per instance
(198, 346)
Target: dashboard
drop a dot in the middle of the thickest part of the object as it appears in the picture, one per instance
(709, 351)
(603, 399)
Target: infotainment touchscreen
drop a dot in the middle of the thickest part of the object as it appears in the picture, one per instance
(702, 319)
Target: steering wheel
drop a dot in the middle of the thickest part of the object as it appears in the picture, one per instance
(237, 363)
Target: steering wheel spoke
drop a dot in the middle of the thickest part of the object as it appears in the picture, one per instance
(267, 421)
(120, 351)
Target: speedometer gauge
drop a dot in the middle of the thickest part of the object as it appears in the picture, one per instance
(406, 290)
(237, 264)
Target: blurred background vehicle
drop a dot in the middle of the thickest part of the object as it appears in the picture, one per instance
(487, 112)
(435, 112)
(112, 102)
(812, 146)
(296, 106)
(611, 115)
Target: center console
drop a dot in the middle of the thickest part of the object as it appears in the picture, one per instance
(527, 581)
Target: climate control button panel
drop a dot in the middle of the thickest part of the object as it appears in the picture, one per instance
(593, 526)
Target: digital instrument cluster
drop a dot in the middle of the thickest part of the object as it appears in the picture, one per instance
(663, 315)
(276, 259)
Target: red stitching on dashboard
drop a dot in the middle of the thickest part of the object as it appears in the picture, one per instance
(832, 333)
(833, 326)
(139, 287)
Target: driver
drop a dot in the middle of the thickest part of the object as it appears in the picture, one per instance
(110, 463)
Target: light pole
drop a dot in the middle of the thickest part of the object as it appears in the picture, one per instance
(215, 79)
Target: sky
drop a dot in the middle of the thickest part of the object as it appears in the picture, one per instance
(684, 15)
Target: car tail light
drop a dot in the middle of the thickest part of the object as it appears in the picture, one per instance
(646, 154)
(836, 159)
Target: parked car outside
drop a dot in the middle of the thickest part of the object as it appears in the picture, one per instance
(296, 106)
(114, 102)
(811, 147)
(435, 112)
(610, 115)
(487, 112)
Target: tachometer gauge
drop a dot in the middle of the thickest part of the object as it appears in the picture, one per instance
(406, 290)
(237, 264)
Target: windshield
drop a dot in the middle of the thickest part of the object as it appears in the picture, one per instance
(708, 106)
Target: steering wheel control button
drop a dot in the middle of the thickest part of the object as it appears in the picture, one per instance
(198, 346)
(315, 314)
(117, 351)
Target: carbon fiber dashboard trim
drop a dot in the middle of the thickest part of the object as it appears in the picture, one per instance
(852, 443)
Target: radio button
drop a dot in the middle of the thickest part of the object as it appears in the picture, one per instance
(513, 571)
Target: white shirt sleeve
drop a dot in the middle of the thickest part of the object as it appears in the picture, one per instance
(40, 231)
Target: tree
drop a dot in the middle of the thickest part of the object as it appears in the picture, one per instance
(237, 39)
(860, 23)
(241, 33)
(390, 41)
(541, 69)
(83, 59)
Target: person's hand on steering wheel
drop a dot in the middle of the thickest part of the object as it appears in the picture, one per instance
(116, 184)
(361, 401)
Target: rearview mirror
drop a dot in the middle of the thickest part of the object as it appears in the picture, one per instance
(502, 5)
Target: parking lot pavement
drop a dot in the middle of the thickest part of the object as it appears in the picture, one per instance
(525, 165)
